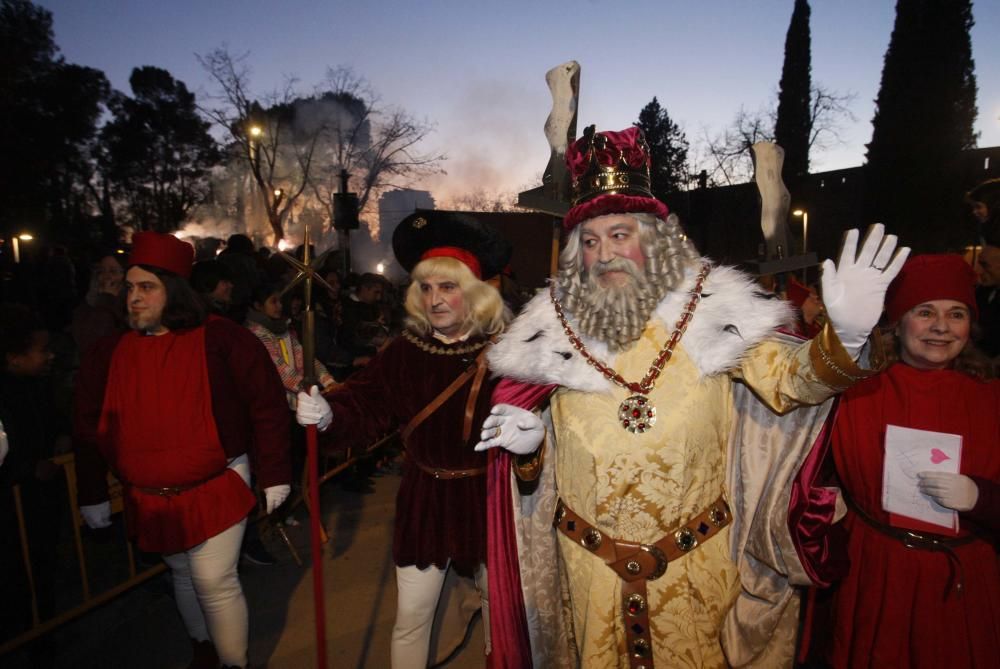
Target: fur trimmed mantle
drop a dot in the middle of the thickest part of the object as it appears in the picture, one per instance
(733, 315)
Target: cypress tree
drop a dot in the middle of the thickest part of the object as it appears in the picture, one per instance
(925, 110)
(668, 149)
(793, 123)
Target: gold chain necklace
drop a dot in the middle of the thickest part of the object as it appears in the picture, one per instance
(637, 413)
(441, 350)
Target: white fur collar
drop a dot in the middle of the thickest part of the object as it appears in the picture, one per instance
(734, 314)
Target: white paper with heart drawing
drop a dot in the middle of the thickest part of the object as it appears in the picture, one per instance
(908, 452)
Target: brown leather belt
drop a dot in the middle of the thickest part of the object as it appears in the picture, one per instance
(173, 491)
(637, 563)
(449, 474)
(923, 541)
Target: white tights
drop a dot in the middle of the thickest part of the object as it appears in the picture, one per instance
(419, 591)
(208, 592)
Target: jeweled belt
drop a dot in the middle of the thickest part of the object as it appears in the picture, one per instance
(637, 563)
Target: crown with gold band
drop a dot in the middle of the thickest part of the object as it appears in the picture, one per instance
(610, 163)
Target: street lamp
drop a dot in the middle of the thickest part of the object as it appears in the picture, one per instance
(16, 243)
(805, 226)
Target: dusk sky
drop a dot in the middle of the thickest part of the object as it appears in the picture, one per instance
(476, 70)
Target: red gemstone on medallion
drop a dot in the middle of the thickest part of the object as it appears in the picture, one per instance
(641, 426)
(640, 401)
(626, 423)
(635, 413)
(649, 414)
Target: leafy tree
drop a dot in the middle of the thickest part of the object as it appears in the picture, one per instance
(925, 110)
(49, 111)
(793, 124)
(157, 150)
(668, 149)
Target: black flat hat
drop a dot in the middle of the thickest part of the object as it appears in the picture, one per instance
(427, 233)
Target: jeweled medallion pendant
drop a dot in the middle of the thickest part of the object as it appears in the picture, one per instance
(637, 414)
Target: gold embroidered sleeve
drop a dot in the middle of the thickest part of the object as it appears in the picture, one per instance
(786, 375)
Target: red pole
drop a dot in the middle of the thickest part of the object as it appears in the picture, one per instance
(312, 461)
(312, 456)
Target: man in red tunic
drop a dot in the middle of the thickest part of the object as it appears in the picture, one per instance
(431, 383)
(181, 407)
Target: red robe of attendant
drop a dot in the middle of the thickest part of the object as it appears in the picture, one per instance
(896, 608)
(172, 410)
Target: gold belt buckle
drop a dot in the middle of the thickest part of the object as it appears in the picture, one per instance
(661, 561)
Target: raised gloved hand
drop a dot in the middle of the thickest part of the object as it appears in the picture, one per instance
(854, 289)
(275, 495)
(953, 491)
(312, 409)
(97, 515)
(512, 428)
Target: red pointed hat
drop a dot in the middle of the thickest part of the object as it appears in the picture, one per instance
(944, 276)
(163, 251)
(610, 172)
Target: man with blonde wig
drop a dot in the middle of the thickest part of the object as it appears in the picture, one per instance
(654, 527)
(431, 384)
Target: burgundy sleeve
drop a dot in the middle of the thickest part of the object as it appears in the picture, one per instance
(88, 400)
(986, 512)
(260, 393)
(363, 408)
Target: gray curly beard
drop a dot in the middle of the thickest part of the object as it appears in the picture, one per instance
(618, 315)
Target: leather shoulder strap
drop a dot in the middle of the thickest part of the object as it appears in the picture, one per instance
(478, 368)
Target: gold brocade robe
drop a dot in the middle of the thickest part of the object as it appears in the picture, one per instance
(725, 424)
(637, 487)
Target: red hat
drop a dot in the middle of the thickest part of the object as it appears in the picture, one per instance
(163, 251)
(797, 292)
(610, 172)
(931, 277)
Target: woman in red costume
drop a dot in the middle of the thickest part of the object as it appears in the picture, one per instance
(918, 595)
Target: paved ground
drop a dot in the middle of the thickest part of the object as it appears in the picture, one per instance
(142, 629)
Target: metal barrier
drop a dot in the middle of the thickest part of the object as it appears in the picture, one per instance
(90, 600)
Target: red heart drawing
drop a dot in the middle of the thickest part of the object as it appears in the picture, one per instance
(938, 456)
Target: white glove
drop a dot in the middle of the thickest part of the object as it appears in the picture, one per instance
(312, 409)
(275, 495)
(854, 289)
(4, 446)
(97, 515)
(512, 428)
(953, 491)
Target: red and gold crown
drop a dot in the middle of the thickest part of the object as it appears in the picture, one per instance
(610, 172)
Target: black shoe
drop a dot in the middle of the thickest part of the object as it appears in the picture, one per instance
(256, 554)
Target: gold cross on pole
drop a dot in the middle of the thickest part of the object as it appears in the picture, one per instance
(307, 274)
